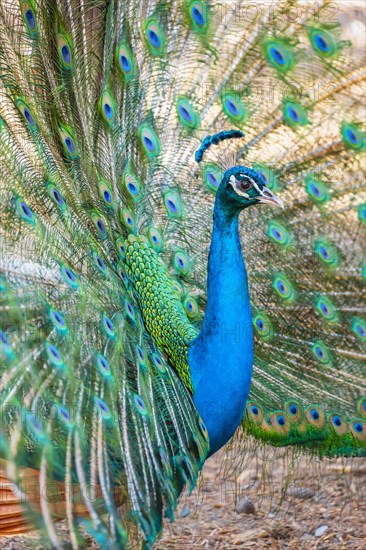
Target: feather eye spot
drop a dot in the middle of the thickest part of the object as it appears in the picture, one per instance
(153, 38)
(277, 55)
(58, 320)
(172, 206)
(327, 252)
(293, 409)
(158, 363)
(293, 113)
(337, 421)
(149, 140)
(125, 64)
(278, 233)
(70, 145)
(26, 112)
(284, 288)
(130, 311)
(254, 410)
(314, 414)
(148, 143)
(362, 212)
(5, 344)
(203, 428)
(321, 43)
(232, 108)
(197, 16)
(212, 179)
(64, 50)
(155, 238)
(103, 365)
(108, 326)
(100, 263)
(28, 117)
(54, 355)
(132, 188)
(281, 287)
(359, 327)
(360, 330)
(353, 137)
(181, 263)
(358, 429)
(212, 175)
(319, 352)
(25, 211)
(103, 408)
(65, 414)
(108, 111)
(30, 18)
(58, 197)
(122, 274)
(191, 307)
(140, 405)
(68, 276)
(140, 353)
(314, 189)
(326, 309)
(66, 54)
(185, 114)
(281, 420)
(263, 326)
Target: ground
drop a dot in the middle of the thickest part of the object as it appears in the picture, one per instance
(270, 502)
(319, 506)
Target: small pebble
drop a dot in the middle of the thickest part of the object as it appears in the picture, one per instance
(321, 530)
(185, 512)
(302, 493)
(245, 506)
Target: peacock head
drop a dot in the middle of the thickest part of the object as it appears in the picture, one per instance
(242, 187)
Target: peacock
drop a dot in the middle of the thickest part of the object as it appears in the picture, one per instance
(154, 153)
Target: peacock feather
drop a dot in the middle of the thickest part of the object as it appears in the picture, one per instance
(127, 330)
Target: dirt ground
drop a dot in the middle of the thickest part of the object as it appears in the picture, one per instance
(319, 505)
(269, 502)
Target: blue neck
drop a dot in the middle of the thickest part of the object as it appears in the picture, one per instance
(221, 357)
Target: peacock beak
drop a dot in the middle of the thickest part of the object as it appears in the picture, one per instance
(267, 197)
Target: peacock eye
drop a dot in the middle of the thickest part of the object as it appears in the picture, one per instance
(244, 184)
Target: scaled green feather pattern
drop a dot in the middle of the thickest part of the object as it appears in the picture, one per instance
(160, 306)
